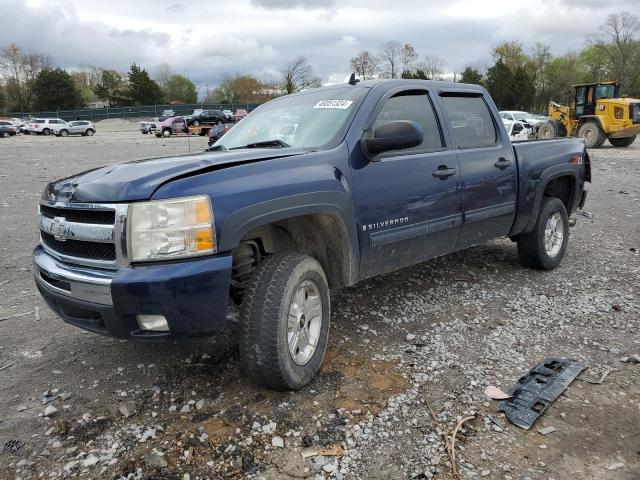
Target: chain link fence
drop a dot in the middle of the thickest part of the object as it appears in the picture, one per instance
(141, 111)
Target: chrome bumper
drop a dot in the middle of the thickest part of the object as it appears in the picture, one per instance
(73, 281)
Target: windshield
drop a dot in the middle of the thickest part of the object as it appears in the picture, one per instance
(311, 120)
(520, 116)
(605, 91)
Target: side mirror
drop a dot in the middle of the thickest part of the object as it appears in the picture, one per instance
(396, 135)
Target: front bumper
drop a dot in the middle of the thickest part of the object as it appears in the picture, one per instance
(191, 295)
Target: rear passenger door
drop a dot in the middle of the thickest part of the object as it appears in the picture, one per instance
(408, 201)
(487, 166)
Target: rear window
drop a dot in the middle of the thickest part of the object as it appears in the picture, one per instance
(471, 121)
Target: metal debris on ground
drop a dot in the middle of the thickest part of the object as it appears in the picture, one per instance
(586, 214)
(12, 446)
(7, 366)
(17, 315)
(535, 391)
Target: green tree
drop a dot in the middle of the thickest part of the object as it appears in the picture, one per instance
(2, 97)
(181, 89)
(110, 87)
(418, 74)
(55, 89)
(523, 89)
(511, 54)
(499, 83)
(142, 90)
(471, 75)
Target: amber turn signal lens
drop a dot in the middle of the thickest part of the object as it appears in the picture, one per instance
(204, 240)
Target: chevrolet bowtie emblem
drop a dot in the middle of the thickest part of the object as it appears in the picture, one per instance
(57, 228)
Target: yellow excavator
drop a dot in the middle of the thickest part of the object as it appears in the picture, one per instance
(599, 114)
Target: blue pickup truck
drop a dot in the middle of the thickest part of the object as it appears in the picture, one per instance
(311, 192)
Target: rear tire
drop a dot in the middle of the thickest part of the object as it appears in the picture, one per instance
(196, 123)
(593, 136)
(284, 322)
(622, 142)
(5, 134)
(63, 133)
(545, 246)
(46, 131)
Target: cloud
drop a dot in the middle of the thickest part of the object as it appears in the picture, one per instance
(261, 36)
(286, 4)
(177, 8)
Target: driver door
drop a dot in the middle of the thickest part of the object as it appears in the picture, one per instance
(406, 214)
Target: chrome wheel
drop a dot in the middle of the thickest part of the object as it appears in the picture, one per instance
(304, 322)
(553, 235)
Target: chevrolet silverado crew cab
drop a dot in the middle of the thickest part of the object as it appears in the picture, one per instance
(367, 178)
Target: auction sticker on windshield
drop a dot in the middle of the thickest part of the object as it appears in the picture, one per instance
(339, 104)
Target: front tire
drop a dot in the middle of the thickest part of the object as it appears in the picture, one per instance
(546, 245)
(284, 322)
(166, 133)
(196, 123)
(593, 136)
(622, 142)
(63, 133)
(546, 131)
(90, 132)
(46, 132)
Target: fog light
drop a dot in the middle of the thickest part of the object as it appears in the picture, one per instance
(153, 323)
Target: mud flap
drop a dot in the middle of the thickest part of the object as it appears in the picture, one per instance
(538, 389)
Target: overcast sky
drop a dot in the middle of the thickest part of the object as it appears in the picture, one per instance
(207, 38)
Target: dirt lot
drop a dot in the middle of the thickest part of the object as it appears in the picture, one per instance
(410, 355)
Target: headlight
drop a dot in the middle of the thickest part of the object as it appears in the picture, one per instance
(168, 229)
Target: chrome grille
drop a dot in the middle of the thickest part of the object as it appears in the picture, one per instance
(85, 234)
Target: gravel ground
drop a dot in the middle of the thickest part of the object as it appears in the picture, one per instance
(410, 355)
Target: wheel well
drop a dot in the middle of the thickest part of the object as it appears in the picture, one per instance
(561, 188)
(321, 236)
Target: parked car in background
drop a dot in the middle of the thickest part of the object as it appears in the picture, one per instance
(6, 131)
(170, 126)
(10, 126)
(529, 120)
(44, 126)
(216, 132)
(77, 127)
(168, 113)
(207, 117)
(240, 114)
(518, 131)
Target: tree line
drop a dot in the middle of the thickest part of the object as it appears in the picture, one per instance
(520, 80)
(516, 79)
(31, 81)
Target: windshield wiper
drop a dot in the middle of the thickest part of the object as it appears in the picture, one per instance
(264, 144)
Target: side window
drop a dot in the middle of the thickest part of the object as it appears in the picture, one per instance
(471, 121)
(418, 109)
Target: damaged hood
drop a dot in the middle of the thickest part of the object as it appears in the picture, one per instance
(137, 180)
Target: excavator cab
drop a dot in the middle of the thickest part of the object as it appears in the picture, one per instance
(588, 94)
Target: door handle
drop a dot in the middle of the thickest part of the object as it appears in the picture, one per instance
(503, 163)
(444, 172)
